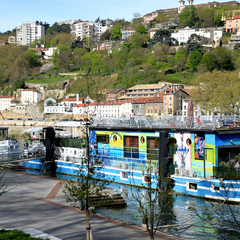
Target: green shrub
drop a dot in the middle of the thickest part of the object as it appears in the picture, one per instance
(15, 235)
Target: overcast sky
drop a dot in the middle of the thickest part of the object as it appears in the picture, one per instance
(16, 12)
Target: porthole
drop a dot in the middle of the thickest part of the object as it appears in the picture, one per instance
(114, 138)
(142, 140)
(174, 141)
(189, 142)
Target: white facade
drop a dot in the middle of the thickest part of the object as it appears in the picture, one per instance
(54, 109)
(87, 29)
(49, 52)
(31, 97)
(111, 108)
(182, 35)
(5, 102)
(29, 32)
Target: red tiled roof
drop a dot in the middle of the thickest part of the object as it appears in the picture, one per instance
(31, 90)
(72, 99)
(2, 96)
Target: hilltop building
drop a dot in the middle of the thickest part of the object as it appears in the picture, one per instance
(87, 29)
(29, 32)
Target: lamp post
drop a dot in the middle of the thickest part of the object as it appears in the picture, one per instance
(88, 228)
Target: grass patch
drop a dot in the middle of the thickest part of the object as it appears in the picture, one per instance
(184, 77)
(15, 235)
(50, 80)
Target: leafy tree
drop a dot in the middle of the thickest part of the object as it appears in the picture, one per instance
(62, 56)
(187, 17)
(179, 60)
(127, 47)
(205, 16)
(193, 60)
(224, 58)
(139, 40)
(218, 92)
(141, 29)
(162, 36)
(209, 60)
(193, 43)
(106, 35)
(116, 32)
(161, 18)
(77, 44)
(78, 53)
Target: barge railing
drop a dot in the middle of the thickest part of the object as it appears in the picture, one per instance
(168, 122)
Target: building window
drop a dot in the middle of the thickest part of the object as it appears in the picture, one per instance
(153, 148)
(131, 147)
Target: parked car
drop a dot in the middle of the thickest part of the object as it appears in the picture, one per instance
(10, 119)
(35, 150)
(19, 119)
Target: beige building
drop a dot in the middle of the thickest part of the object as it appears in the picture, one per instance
(127, 33)
(5, 102)
(87, 29)
(145, 90)
(115, 93)
(154, 106)
(172, 101)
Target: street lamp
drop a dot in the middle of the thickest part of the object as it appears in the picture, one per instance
(88, 228)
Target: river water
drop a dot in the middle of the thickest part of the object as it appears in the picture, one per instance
(182, 215)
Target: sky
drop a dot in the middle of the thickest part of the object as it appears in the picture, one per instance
(16, 12)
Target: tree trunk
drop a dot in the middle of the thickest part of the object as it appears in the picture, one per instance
(87, 225)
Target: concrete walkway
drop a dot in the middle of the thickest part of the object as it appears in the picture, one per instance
(38, 203)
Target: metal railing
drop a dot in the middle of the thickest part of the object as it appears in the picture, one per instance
(168, 122)
(19, 154)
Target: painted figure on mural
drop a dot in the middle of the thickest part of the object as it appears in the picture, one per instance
(199, 144)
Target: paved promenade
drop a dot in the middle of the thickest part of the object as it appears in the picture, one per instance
(38, 203)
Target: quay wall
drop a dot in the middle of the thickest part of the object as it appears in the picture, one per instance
(26, 123)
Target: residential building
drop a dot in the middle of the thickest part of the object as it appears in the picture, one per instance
(106, 22)
(127, 33)
(2, 42)
(144, 90)
(49, 52)
(70, 102)
(233, 24)
(172, 101)
(29, 32)
(139, 105)
(235, 37)
(107, 108)
(11, 39)
(152, 32)
(154, 106)
(30, 96)
(5, 102)
(183, 35)
(70, 22)
(115, 93)
(87, 29)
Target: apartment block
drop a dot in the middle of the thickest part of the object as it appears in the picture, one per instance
(29, 32)
(87, 29)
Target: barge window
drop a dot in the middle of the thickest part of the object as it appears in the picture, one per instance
(131, 147)
(103, 139)
(153, 148)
